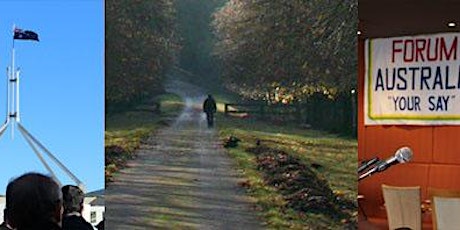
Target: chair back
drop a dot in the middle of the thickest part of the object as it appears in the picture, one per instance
(446, 208)
(403, 207)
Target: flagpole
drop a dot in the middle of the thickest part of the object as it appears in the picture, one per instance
(3, 128)
(13, 111)
(39, 155)
(17, 95)
(13, 73)
(7, 94)
(50, 155)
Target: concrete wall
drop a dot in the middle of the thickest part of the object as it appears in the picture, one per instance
(92, 213)
(2, 207)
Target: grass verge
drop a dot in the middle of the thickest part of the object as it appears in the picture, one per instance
(334, 159)
(125, 131)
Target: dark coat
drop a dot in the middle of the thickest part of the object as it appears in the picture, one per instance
(75, 223)
(4, 227)
(209, 105)
(44, 226)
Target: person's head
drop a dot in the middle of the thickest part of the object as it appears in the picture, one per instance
(72, 199)
(32, 199)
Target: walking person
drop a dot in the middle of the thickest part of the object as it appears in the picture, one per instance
(209, 107)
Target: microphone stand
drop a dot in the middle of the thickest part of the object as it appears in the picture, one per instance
(367, 163)
(369, 172)
(378, 166)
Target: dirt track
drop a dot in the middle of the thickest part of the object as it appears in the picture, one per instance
(181, 179)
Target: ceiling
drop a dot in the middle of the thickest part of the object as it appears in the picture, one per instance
(390, 18)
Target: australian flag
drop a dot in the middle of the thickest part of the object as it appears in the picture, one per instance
(25, 35)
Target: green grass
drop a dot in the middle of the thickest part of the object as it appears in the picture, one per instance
(127, 129)
(336, 154)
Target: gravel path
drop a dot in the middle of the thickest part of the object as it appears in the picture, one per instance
(181, 179)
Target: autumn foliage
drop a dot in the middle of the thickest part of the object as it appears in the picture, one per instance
(286, 50)
(140, 47)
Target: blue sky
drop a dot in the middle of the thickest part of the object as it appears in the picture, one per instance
(62, 87)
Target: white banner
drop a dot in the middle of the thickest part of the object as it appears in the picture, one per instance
(413, 80)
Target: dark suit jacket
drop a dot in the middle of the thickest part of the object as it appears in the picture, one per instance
(4, 227)
(75, 223)
(48, 225)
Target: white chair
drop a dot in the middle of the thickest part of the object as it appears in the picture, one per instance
(445, 206)
(403, 207)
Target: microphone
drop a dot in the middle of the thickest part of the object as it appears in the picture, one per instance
(403, 155)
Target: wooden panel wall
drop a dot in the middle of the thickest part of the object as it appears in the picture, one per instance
(436, 161)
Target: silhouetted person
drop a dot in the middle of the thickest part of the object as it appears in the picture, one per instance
(34, 201)
(73, 198)
(5, 225)
(209, 107)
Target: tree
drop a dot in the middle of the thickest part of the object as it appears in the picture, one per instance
(140, 46)
(286, 50)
